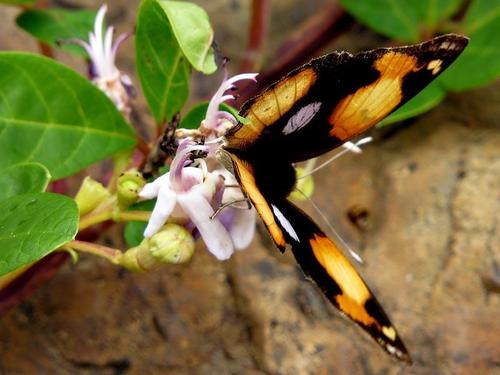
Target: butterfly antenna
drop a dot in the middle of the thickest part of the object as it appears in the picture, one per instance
(348, 147)
(344, 244)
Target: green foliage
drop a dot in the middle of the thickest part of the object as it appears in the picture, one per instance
(54, 25)
(52, 115)
(432, 12)
(161, 66)
(193, 32)
(23, 178)
(18, 2)
(402, 20)
(32, 226)
(396, 19)
(134, 230)
(408, 20)
(196, 115)
(480, 62)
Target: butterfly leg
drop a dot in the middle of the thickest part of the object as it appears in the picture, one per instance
(223, 206)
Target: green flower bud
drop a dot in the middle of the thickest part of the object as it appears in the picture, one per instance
(90, 195)
(130, 184)
(173, 244)
(305, 185)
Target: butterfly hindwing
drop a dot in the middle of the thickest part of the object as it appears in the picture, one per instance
(322, 261)
(334, 98)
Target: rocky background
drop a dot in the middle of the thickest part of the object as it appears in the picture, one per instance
(421, 204)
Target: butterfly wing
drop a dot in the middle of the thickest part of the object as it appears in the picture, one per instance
(322, 261)
(309, 112)
(336, 97)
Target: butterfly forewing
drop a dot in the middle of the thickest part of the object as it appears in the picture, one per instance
(336, 97)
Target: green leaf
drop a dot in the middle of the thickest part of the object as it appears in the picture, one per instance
(196, 115)
(431, 12)
(134, 230)
(480, 62)
(402, 20)
(32, 226)
(54, 25)
(161, 65)
(423, 102)
(194, 33)
(52, 115)
(18, 2)
(23, 178)
(394, 18)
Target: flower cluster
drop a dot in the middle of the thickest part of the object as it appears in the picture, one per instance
(192, 193)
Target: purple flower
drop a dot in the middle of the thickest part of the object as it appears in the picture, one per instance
(217, 122)
(189, 194)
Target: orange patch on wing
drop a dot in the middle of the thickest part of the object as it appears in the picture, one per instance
(370, 104)
(247, 182)
(354, 290)
(271, 105)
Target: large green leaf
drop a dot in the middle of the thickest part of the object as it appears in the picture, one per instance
(162, 68)
(430, 97)
(480, 62)
(32, 226)
(394, 18)
(431, 12)
(54, 116)
(23, 178)
(54, 25)
(402, 19)
(193, 32)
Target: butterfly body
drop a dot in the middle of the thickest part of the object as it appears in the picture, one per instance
(313, 110)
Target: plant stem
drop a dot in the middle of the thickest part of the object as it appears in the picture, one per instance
(259, 25)
(94, 218)
(103, 251)
(133, 216)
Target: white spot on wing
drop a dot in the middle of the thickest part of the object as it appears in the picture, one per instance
(301, 118)
(285, 223)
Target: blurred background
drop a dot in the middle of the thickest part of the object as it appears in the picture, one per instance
(420, 205)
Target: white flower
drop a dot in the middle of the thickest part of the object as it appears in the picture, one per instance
(241, 219)
(103, 70)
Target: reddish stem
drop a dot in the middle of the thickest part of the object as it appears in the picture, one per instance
(142, 146)
(259, 26)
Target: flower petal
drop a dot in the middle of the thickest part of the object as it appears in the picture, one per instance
(151, 189)
(212, 231)
(162, 210)
(243, 228)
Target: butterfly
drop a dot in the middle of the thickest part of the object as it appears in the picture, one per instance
(312, 110)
